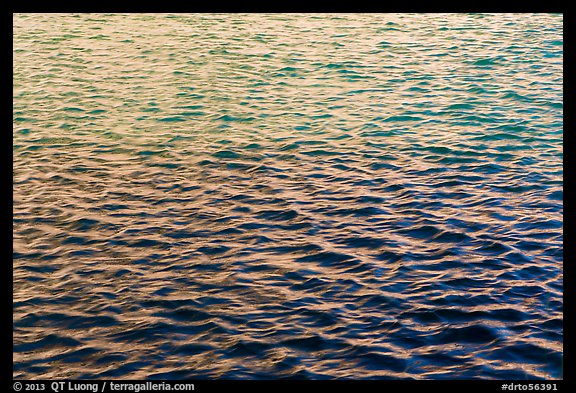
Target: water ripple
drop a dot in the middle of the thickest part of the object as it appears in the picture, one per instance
(288, 196)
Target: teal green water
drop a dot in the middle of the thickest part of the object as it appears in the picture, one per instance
(288, 196)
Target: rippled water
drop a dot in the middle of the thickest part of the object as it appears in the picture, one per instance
(271, 196)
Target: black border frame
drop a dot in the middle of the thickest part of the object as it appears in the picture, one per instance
(364, 6)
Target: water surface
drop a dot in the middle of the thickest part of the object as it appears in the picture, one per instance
(287, 196)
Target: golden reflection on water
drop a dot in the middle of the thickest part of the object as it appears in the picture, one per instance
(305, 195)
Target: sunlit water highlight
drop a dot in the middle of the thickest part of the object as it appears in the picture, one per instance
(272, 196)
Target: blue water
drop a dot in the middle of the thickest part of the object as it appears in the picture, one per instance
(288, 196)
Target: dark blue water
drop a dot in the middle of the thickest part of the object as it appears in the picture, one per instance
(288, 196)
